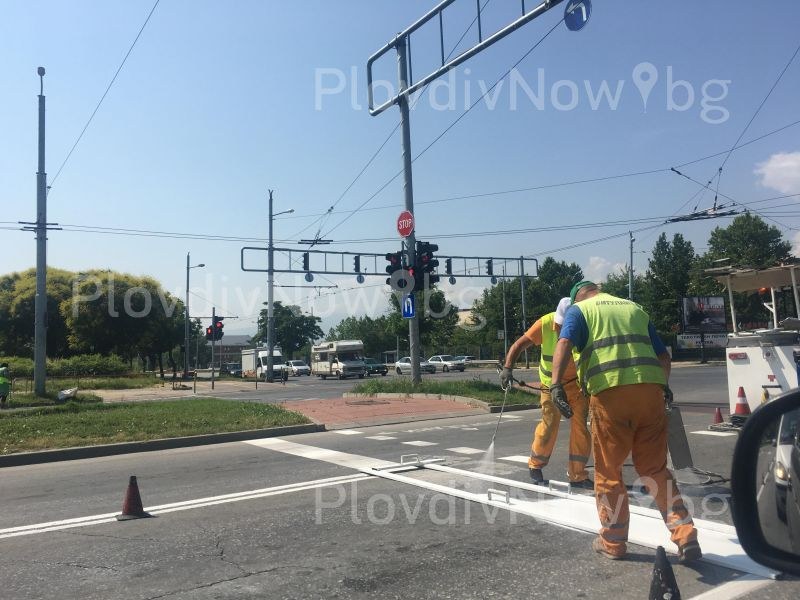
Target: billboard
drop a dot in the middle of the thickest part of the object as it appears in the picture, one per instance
(704, 314)
(691, 341)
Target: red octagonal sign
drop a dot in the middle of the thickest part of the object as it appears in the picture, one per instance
(405, 224)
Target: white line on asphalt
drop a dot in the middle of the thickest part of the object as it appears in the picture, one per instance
(380, 438)
(466, 450)
(735, 589)
(343, 459)
(420, 443)
(516, 458)
(179, 506)
(348, 432)
(714, 433)
(469, 429)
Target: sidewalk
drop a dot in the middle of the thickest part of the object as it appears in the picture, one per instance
(342, 413)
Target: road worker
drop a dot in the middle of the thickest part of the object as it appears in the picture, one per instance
(544, 333)
(5, 381)
(624, 366)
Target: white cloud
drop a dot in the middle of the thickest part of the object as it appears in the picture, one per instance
(781, 172)
(599, 268)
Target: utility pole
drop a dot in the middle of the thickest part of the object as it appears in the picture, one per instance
(522, 296)
(630, 268)
(408, 189)
(505, 322)
(186, 325)
(40, 307)
(213, 341)
(270, 292)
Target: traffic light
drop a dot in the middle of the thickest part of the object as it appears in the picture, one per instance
(357, 264)
(395, 260)
(217, 327)
(490, 267)
(448, 266)
(209, 332)
(305, 261)
(427, 263)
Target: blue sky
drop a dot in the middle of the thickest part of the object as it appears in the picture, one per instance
(219, 102)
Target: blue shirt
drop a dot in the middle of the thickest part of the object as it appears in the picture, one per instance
(576, 331)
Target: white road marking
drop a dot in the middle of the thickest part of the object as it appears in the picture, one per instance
(516, 458)
(715, 433)
(343, 459)
(513, 417)
(735, 589)
(466, 450)
(180, 506)
(469, 429)
(420, 443)
(380, 438)
(348, 432)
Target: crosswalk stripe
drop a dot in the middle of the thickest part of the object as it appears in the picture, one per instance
(466, 450)
(516, 458)
(380, 438)
(420, 443)
(348, 432)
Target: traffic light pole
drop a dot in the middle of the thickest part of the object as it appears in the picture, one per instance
(270, 296)
(213, 341)
(408, 188)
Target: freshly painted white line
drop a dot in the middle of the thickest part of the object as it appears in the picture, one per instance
(353, 461)
(735, 589)
(348, 432)
(512, 417)
(469, 429)
(715, 433)
(420, 443)
(466, 450)
(179, 506)
(516, 458)
(380, 438)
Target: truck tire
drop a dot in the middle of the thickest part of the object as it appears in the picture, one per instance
(339, 375)
(324, 377)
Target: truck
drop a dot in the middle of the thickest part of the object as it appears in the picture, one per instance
(254, 362)
(762, 363)
(341, 359)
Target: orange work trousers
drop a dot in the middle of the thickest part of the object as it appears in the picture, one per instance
(630, 419)
(546, 432)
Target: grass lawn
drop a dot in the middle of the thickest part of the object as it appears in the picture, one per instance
(18, 400)
(474, 388)
(87, 424)
(55, 384)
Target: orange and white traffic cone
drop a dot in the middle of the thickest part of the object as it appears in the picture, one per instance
(742, 407)
(717, 416)
(132, 504)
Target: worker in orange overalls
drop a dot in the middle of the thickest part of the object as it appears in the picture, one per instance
(624, 366)
(544, 333)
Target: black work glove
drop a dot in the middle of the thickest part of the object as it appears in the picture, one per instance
(669, 397)
(559, 398)
(506, 377)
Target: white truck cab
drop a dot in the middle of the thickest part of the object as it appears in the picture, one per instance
(340, 359)
(254, 362)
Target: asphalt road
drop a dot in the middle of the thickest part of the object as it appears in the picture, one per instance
(692, 384)
(290, 535)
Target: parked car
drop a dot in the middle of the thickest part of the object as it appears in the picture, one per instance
(233, 369)
(298, 367)
(404, 366)
(464, 359)
(375, 367)
(446, 362)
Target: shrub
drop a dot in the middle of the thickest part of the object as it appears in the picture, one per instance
(81, 365)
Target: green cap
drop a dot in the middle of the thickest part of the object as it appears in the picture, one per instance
(574, 291)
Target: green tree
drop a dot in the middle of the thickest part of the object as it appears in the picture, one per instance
(749, 243)
(667, 281)
(377, 334)
(293, 330)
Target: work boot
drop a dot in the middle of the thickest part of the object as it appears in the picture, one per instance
(536, 476)
(689, 552)
(586, 484)
(599, 547)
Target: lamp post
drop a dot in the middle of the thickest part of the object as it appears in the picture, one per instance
(186, 320)
(270, 285)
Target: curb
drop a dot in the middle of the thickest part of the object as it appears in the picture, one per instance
(47, 456)
(460, 399)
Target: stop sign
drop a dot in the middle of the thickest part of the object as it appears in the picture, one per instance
(405, 224)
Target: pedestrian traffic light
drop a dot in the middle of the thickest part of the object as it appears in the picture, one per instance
(217, 327)
(489, 267)
(357, 264)
(305, 261)
(448, 266)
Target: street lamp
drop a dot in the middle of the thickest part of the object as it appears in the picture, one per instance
(186, 320)
(270, 277)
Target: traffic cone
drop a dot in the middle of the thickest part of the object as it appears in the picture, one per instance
(742, 408)
(717, 416)
(663, 585)
(132, 504)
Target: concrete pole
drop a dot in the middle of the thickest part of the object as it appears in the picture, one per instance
(40, 306)
(270, 292)
(522, 296)
(186, 324)
(213, 341)
(408, 188)
(630, 269)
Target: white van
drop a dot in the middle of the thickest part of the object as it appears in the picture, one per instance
(254, 362)
(341, 359)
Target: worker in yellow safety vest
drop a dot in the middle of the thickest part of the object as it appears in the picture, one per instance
(4, 384)
(624, 366)
(544, 333)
